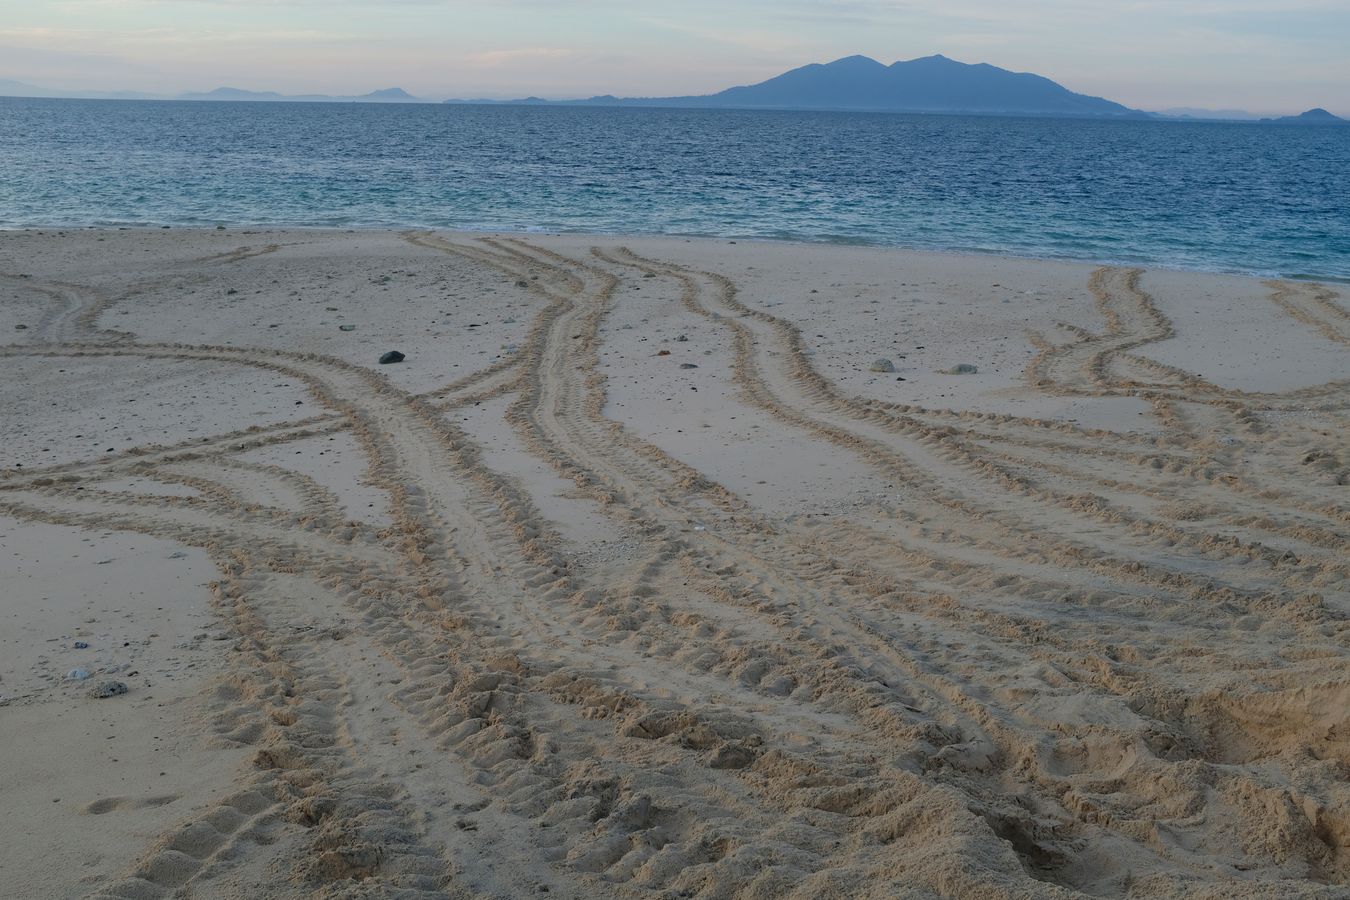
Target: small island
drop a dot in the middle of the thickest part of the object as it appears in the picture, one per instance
(1315, 116)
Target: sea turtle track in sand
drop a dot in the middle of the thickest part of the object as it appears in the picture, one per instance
(577, 462)
(1314, 305)
(945, 695)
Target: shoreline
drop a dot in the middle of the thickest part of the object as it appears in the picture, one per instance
(1141, 263)
(666, 565)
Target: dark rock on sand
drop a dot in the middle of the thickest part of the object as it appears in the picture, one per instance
(393, 356)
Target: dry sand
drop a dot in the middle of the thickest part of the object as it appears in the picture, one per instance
(634, 580)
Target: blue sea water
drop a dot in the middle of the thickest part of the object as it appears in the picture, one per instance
(1225, 197)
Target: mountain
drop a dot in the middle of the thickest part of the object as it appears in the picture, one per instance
(524, 101)
(388, 95)
(931, 84)
(11, 88)
(229, 93)
(1315, 116)
(1191, 112)
(927, 84)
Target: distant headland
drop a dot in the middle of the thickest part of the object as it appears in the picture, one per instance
(10, 88)
(1315, 116)
(930, 84)
(388, 95)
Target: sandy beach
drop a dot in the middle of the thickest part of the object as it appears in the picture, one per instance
(665, 568)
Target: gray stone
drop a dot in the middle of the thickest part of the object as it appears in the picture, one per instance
(393, 356)
(77, 674)
(346, 328)
(81, 645)
(882, 365)
(105, 689)
(688, 365)
(961, 369)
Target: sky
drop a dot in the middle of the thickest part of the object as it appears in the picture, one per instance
(1266, 56)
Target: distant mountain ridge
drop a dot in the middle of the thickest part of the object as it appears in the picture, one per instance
(1220, 115)
(929, 84)
(1314, 116)
(388, 95)
(12, 88)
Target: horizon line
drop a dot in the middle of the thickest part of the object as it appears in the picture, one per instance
(1172, 111)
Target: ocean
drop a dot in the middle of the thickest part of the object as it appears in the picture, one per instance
(1219, 197)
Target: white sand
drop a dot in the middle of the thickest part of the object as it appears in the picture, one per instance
(567, 602)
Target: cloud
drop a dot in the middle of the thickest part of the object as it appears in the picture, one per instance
(164, 37)
(754, 39)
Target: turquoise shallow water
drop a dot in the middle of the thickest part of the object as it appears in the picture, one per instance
(1238, 198)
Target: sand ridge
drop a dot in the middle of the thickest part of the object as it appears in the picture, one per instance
(1028, 658)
